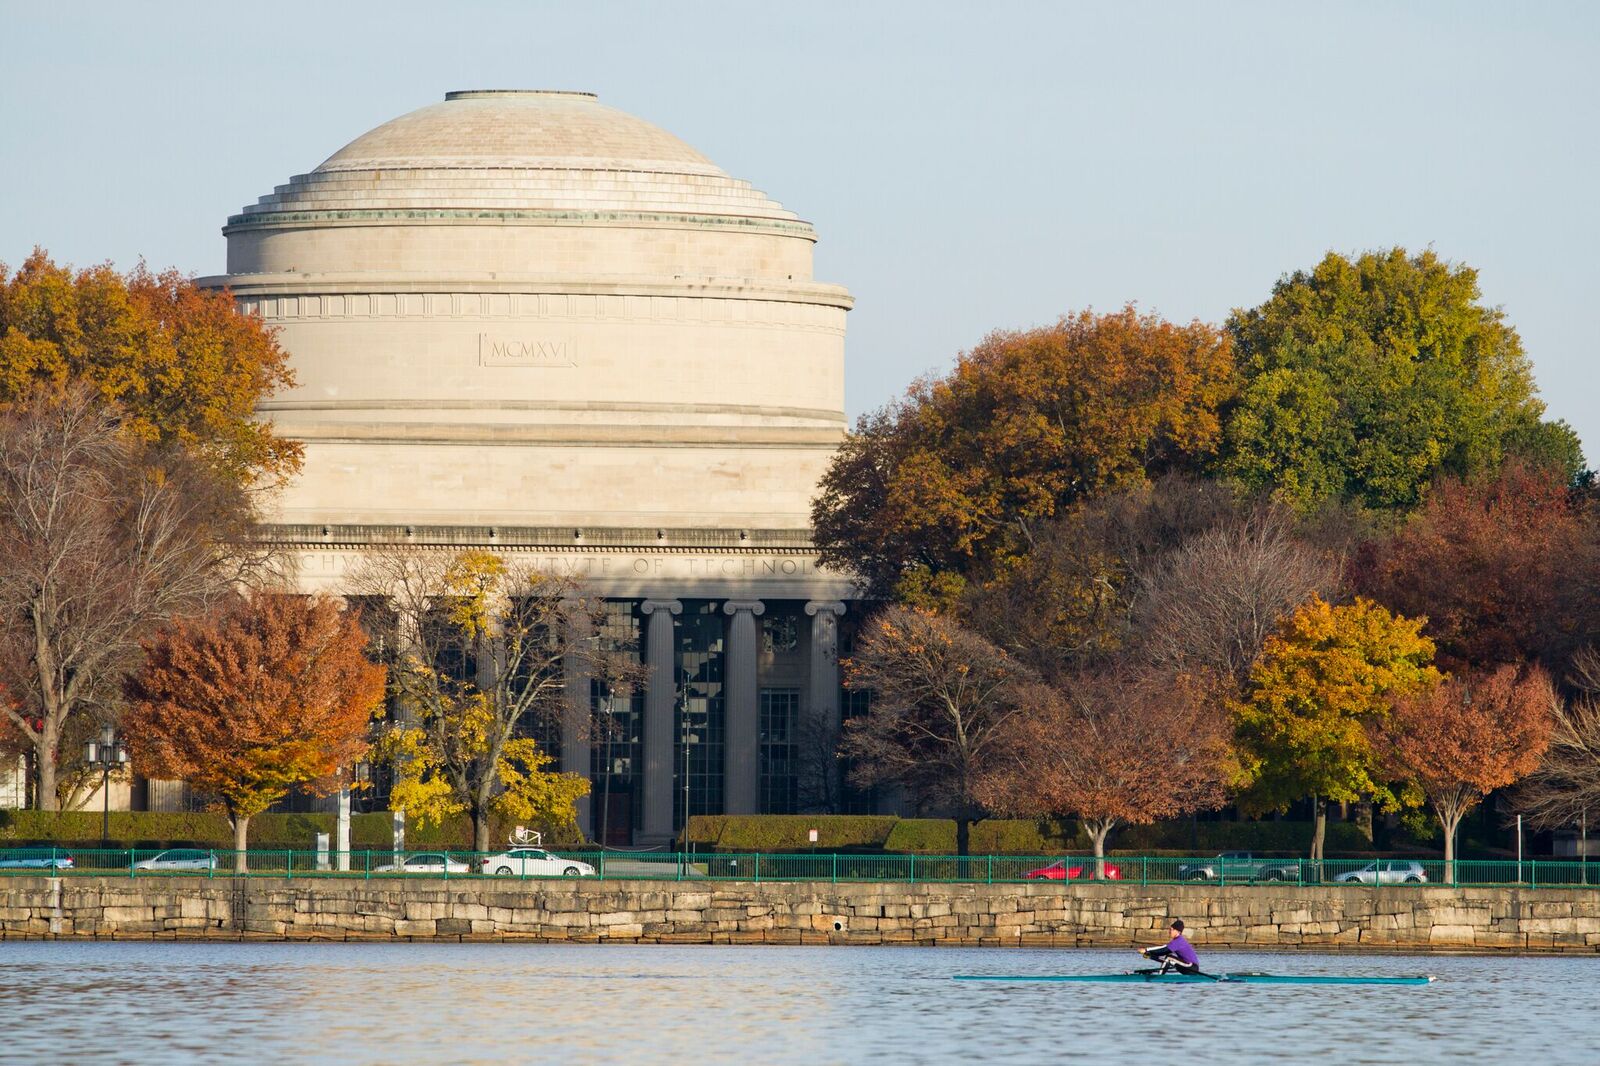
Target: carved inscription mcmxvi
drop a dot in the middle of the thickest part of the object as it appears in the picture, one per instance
(525, 351)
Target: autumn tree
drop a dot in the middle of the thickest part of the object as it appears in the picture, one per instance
(1506, 566)
(1366, 379)
(1461, 739)
(965, 468)
(270, 693)
(479, 677)
(1066, 603)
(179, 363)
(1322, 686)
(1116, 747)
(942, 698)
(104, 538)
(1565, 788)
(1211, 604)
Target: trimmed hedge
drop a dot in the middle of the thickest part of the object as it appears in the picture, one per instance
(993, 836)
(790, 832)
(998, 836)
(726, 833)
(161, 829)
(290, 832)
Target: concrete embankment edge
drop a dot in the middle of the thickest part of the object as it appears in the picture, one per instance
(688, 912)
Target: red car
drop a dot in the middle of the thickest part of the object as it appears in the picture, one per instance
(1078, 870)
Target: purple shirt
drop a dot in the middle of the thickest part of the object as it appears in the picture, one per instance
(1183, 950)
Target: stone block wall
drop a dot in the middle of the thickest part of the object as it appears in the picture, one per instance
(1389, 918)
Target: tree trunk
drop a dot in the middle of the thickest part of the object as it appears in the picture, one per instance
(1364, 820)
(480, 828)
(963, 833)
(1098, 831)
(1319, 834)
(1450, 819)
(241, 842)
(44, 761)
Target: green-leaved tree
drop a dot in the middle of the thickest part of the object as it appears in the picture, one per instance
(1364, 379)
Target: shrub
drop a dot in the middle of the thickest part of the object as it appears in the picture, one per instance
(791, 832)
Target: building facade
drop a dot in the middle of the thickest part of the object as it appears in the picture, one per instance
(529, 322)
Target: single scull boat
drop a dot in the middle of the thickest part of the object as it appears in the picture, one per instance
(1155, 976)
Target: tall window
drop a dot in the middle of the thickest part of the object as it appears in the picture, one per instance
(698, 737)
(853, 703)
(616, 722)
(780, 716)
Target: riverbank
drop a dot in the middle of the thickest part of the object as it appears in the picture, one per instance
(1389, 918)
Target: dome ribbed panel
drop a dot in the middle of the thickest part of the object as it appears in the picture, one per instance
(506, 151)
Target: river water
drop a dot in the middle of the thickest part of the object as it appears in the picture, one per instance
(471, 1003)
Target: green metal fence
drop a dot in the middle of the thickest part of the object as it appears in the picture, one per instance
(815, 867)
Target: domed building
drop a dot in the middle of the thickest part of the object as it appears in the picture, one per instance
(527, 321)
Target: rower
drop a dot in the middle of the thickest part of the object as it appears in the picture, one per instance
(1178, 954)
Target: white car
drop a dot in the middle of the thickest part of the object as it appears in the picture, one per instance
(1386, 872)
(179, 859)
(427, 862)
(534, 862)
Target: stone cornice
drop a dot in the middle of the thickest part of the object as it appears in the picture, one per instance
(711, 288)
(492, 217)
(676, 541)
(480, 433)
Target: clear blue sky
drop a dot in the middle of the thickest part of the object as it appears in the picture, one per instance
(968, 167)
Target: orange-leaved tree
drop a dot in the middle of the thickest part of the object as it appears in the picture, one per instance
(180, 363)
(273, 691)
(1470, 734)
(1113, 748)
(1506, 566)
(966, 466)
(1324, 680)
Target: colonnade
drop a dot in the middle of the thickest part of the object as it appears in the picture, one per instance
(741, 707)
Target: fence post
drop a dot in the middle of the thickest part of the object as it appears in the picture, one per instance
(1144, 871)
(288, 861)
(988, 878)
(836, 867)
(1533, 873)
(911, 868)
(758, 867)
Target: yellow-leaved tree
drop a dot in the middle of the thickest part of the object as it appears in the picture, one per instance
(480, 672)
(1322, 684)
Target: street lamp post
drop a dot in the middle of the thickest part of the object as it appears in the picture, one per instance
(105, 754)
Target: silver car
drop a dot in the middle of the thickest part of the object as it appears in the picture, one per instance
(1386, 872)
(427, 862)
(179, 859)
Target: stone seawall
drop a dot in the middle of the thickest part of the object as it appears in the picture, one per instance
(1437, 918)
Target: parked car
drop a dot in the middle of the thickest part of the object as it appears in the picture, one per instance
(1072, 870)
(534, 862)
(426, 862)
(1386, 872)
(1239, 866)
(179, 859)
(35, 859)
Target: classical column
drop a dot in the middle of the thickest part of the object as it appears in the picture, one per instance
(741, 721)
(822, 702)
(661, 657)
(576, 734)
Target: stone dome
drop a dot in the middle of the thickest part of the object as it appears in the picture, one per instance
(531, 310)
(521, 152)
